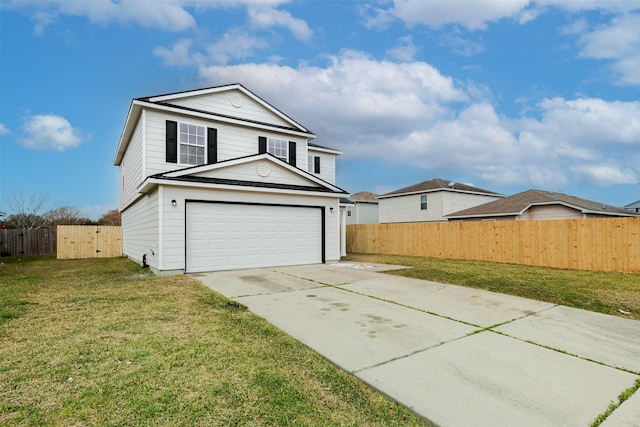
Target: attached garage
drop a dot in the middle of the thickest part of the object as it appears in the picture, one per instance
(226, 236)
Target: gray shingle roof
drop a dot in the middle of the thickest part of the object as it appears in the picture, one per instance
(364, 196)
(437, 184)
(518, 203)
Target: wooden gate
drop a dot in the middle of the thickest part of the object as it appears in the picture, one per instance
(89, 241)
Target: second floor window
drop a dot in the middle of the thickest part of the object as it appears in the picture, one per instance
(279, 148)
(423, 202)
(191, 143)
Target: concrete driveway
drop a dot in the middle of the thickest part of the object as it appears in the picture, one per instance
(456, 356)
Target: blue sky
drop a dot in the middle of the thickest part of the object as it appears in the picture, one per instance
(504, 95)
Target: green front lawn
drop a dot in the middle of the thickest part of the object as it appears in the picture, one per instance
(104, 342)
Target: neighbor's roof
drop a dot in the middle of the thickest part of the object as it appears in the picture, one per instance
(364, 196)
(438, 184)
(633, 205)
(519, 203)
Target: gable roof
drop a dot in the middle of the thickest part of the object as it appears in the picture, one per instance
(438, 184)
(364, 196)
(634, 205)
(169, 103)
(517, 204)
(205, 176)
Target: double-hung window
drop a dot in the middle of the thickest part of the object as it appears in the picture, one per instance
(191, 144)
(313, 164)
(423, 202)
(279, 148)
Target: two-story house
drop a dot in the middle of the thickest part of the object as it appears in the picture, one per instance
(217, 179)
(431, 201)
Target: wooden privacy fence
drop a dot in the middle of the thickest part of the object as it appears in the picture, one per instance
(28, 242)
(611, 244)
(89, 241)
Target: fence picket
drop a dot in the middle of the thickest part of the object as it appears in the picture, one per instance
(602, 244)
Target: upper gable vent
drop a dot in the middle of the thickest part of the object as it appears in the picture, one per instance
(236, 101)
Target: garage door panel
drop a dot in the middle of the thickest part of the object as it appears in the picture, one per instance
(224, 236)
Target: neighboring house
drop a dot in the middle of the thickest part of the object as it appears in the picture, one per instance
(430, 201)
(364, 209)
(538, 204)
(217, 179)
(633, 207)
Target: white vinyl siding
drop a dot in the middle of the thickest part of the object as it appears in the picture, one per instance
(131, 168)
(221, 103)
(440, 203)
(140, 230)
(249, 172)
(233, 142)
(327, 165)
(363, 213)
(551, 212)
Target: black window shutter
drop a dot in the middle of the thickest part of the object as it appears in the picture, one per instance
(262, 144)
(171, 146)
(292, 153)
(212, 146)
(316, 164)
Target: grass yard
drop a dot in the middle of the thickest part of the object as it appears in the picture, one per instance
(103, 342)
(611, 293)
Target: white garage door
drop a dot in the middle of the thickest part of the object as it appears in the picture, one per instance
(225, 236)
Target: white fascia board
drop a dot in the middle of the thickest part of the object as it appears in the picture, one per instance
(257, 99)
(483, 215)
(187, 94)
(450, 190)
(324, 150)
(133, 115)
(240, 122)
(152, 182)
(220, 165)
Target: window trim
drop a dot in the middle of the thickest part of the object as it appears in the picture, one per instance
(424, 202)
(285, 147)
(313, 164)
(182, 144)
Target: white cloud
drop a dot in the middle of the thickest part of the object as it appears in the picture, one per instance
(50, 132)
(460, 45)
(472, 14)
(411, 114)
(4, 130)
(578, 26)
(363, 92)
(169, 15)
(619, 43)
(267, 17)
(166, 15)
(235, 44)
(404, 51)
(477, 14)
(178, 54)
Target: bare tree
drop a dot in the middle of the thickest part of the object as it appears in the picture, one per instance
(28, 211)
(110, 218)
(65, 215)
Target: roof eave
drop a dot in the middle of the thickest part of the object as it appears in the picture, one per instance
(433, 190)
